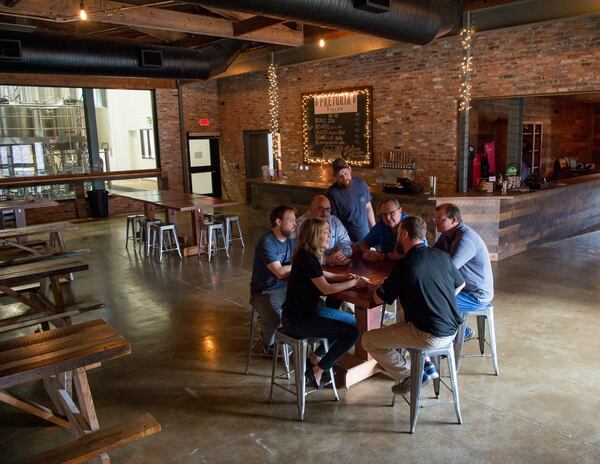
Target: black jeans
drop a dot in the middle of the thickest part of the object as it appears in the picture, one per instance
(345, 335)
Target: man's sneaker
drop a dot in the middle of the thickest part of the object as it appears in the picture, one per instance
(468, 334)
(429, 373)
(403, 387)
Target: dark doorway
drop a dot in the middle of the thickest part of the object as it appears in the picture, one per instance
(205, 165)
(256, 153)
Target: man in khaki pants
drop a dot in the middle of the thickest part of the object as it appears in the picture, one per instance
(426, 283)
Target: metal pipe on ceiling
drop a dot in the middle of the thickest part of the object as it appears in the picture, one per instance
(412, 21)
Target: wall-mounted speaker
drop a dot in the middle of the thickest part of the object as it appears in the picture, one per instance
(151, 59)
(10, 50)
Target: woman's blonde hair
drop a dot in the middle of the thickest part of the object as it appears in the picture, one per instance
(309, 236)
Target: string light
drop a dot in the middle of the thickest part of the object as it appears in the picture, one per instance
(274, 113)
(82, 14)
(307, 104)
(466, 35)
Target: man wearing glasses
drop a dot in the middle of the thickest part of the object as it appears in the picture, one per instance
(339, 251)
(380, 242)
(351, 201)
(469, 254)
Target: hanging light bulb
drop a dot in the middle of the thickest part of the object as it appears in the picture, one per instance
(82, 14)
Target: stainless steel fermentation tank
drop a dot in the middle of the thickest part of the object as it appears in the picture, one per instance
(58, 129)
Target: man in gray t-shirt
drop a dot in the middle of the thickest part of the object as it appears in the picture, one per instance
(469, 254)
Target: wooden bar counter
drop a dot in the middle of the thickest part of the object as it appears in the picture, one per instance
(508, 224)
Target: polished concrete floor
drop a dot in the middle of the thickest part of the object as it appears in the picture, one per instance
(188, 323)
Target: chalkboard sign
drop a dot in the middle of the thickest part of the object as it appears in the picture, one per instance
(338, 124)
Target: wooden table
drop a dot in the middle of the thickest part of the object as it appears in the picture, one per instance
(59, 357)
(361, 365)
(19, 207)
(47, 272)
(178, 201)
(53, 230)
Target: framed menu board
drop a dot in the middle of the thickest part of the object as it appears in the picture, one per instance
(338, 124)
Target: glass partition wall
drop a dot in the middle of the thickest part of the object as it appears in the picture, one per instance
(44, 131)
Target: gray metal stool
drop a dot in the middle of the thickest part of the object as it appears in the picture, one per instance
(299, 346)
(482, 315)
(145, 229)
(209, 231)
(417, 363)
(254, 318)
(132, 223)
(167, 239)
(229, 220)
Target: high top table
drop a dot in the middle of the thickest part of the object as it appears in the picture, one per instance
(178, 201)
(361, 365)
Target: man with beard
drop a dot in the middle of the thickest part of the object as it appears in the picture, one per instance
(272, 264)
(339, 250)
(426, 282)
(351, 201)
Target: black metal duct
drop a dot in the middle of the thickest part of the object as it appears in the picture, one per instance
(38, 53)
(413, 21)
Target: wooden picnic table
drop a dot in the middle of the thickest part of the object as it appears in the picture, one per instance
(19, 207)
(361, 365)
(174, 201)
(59, 357)
(54, 231)
(40, 307)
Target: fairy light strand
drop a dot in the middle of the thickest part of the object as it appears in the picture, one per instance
(466, 36)
(274, 111)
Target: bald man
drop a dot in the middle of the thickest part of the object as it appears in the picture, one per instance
(340, 249)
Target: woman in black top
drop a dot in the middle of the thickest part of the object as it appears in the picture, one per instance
(302, 316)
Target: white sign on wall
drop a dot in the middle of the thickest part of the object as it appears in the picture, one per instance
(336, 103)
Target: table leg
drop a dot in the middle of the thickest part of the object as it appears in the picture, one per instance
(149, 211)
(20, 221)
(361, 365)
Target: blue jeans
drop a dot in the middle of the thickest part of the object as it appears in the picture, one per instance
(336, 315)
(338, 327)
(467, 301)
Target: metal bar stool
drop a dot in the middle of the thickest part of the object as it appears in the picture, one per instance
(133, 224)
(482, 315)
(299, 347)
(145, 229)
(167, 239)
(254, 318)
(417, 363)
(229, 220)
(210, 233)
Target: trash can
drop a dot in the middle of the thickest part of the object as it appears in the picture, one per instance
(98, 201)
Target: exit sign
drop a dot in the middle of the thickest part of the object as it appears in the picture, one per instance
(203, 122)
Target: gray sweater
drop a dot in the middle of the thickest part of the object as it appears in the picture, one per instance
(470, 255)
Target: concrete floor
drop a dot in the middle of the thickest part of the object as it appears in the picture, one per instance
(188, 322)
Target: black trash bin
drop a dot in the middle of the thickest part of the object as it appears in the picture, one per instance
(98, 201)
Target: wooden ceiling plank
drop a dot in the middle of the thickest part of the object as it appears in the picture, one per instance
(107, 11)
(165, 36)
(255, 23)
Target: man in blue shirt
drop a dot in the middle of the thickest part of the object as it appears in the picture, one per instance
(384, 234)
(469, 254)
(272, 264)
(351, 201)
(339, 250)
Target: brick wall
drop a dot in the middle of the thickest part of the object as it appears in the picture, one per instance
(417, 87)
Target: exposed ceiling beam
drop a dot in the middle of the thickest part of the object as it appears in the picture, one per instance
(165, 36)
(107, 11)
(255, 23)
